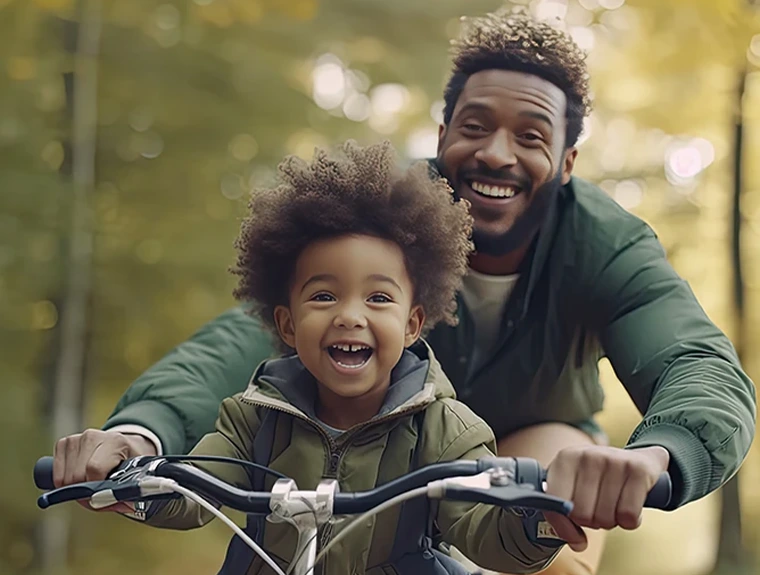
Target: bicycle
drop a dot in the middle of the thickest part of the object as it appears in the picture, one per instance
(502, 481)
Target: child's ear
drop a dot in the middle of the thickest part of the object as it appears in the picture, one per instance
(285, 326)
(414, 325)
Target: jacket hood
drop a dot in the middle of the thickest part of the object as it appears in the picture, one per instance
(416, 381)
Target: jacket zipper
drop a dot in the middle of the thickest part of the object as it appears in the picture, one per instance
(332, 450)
(335, 454)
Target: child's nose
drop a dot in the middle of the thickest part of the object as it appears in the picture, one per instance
(350, 316)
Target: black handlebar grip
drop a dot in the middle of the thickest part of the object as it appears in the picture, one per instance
(43, 473)
(660, 495)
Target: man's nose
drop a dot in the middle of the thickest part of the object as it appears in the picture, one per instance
(497, 151)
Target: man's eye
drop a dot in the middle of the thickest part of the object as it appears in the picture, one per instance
(473, 127)
(532, 137)
(322, 296)
(380, 298)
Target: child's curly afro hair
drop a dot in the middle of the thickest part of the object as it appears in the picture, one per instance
(357, 191)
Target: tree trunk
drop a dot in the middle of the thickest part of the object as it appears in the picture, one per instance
(732, 557)
(71, 358)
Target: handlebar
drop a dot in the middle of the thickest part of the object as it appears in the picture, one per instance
(522, 486)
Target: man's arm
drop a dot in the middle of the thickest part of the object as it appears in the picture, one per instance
(233, 438)
(178, 398)
(680, 370)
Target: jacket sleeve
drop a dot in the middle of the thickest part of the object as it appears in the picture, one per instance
(492, 537)
(178, 398)
(233, 438)
(680, 370)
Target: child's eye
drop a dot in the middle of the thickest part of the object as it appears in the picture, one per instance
(322, 296)
(380, 298)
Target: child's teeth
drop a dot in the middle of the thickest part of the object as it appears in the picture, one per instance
(350, 347)
(357, 366)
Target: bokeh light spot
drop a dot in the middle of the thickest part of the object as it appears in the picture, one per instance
(44, 315)
(611, 4)
(149, 251)
(244, 147)
(53, 154)
(422, 143)
(628, 194)
(328, 82)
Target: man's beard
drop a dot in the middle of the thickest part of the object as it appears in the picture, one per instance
(526, 225)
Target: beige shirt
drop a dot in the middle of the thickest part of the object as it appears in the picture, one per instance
(486, 296)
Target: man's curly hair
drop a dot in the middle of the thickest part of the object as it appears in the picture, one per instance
(514, 40)
(356, 191)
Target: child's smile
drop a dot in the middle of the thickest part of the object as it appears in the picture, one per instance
(350, 357)
(351, 315)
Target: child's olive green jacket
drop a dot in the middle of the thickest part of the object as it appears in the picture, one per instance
(361, 458)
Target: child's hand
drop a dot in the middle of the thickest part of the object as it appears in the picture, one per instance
(607, 485)
(93, 454)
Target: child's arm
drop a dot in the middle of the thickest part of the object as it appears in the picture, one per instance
(233, 438)
(491, 537)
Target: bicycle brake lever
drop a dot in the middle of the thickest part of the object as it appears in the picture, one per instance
(138, 490)
(129, 466)
(509, 496)
(74, 492)
(103, 493)
(122, 480)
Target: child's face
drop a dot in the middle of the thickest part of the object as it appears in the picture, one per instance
(351, 313)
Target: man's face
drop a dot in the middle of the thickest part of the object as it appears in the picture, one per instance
(504, 151)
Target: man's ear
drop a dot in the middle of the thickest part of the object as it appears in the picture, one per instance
(414, 325)
(441, 138)
(283, 319)
(568, 163)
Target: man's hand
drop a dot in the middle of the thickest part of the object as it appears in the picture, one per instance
(607, 485)
(91, 455)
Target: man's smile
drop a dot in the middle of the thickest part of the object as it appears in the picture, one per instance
(494, 191)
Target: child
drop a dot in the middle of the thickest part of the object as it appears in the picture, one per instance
(350, 260)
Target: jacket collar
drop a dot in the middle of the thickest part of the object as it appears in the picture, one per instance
(285, 384)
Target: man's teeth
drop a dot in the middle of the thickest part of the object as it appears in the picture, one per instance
(350, 347)
(494, 191)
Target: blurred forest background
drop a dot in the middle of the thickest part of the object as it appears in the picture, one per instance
(131, 131)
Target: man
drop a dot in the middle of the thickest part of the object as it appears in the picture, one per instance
(562, 277)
